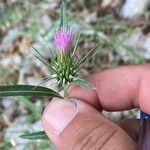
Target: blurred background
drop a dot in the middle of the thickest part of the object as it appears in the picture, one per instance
(122, 25)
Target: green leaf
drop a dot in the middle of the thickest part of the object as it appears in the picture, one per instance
(63, 15)
(83, 83)
(26, 90)
(40, 135)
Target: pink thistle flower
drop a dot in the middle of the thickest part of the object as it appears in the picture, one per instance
(63, 39)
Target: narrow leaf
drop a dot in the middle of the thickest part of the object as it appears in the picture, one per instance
(35, 136)
(83, 83)
(63, 15)
(26, 90)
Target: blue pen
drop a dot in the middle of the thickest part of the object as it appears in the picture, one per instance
(144, 137)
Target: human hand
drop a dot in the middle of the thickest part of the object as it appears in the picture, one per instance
(78, 124)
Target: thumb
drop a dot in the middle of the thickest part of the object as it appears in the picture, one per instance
(73, 124)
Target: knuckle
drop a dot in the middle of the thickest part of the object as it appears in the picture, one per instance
(95, 138)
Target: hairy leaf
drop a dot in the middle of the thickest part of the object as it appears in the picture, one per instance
(83, 83)
(26, 90)
(40, 135)
(63, 16)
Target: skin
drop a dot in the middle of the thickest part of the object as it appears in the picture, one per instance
(117, 89)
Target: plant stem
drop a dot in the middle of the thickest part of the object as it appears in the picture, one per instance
(65, 91)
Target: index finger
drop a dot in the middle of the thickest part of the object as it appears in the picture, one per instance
(119, 88)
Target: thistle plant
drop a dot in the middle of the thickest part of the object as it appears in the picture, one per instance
(63, 65)
(64, 69)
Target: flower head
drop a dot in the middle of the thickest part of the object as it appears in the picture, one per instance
(63, 39)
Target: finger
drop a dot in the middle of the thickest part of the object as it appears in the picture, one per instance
(118, 89)
(73, 124)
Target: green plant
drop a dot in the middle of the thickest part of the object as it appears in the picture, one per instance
(64, 66)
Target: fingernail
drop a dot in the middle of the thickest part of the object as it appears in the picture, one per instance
(59, 114)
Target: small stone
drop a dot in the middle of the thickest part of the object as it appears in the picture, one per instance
(133, 8)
